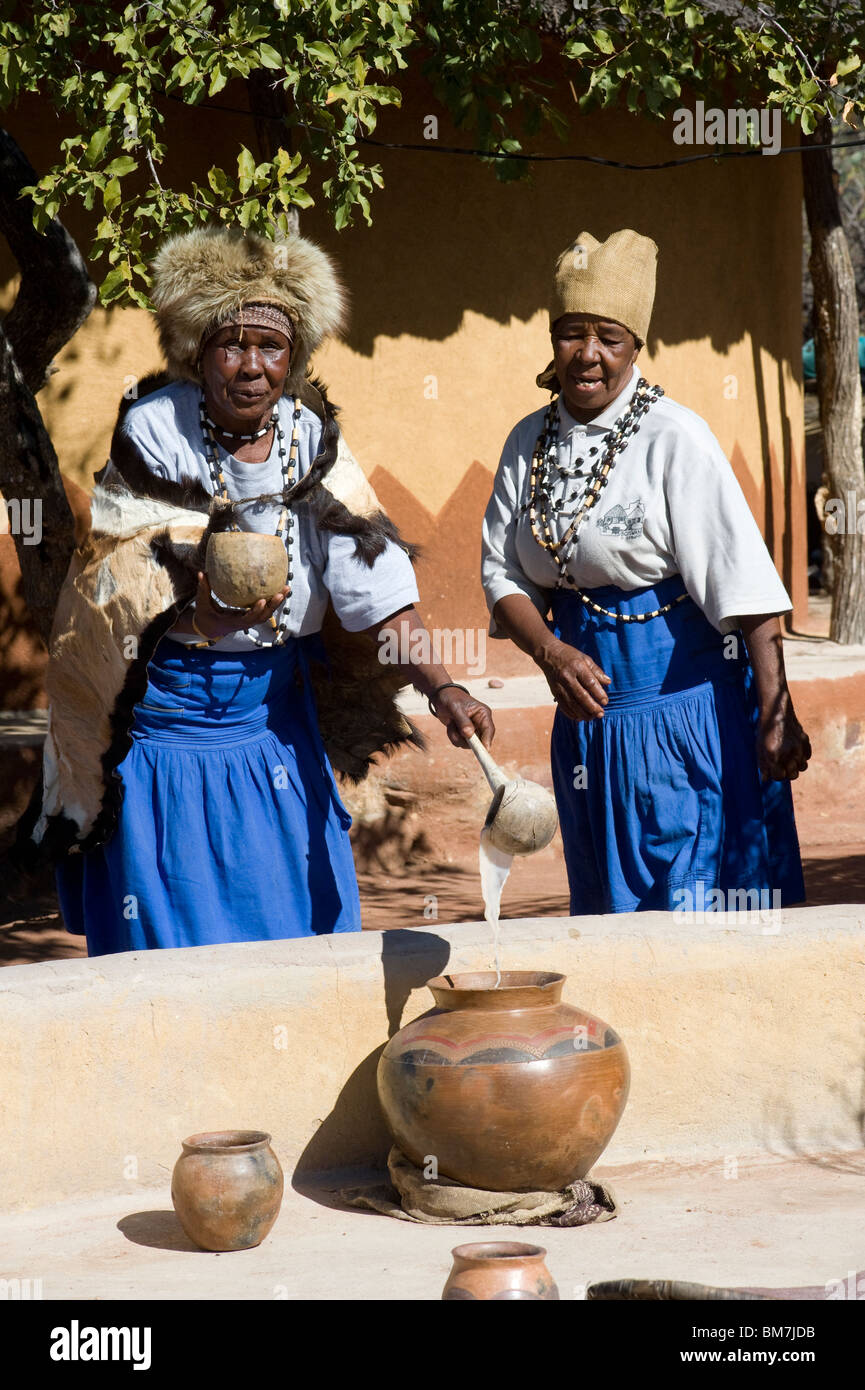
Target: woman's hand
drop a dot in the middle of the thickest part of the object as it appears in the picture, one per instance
(464, 715)
(783, 747)
(217, 622)
(577, 682)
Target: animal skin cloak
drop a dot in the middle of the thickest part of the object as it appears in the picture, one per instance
(126, 586)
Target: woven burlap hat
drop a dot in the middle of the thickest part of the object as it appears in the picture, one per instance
(612, 279)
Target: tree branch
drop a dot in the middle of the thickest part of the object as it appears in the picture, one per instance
(56, 293)
(54, 299)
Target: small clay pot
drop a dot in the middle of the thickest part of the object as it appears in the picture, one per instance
(244, 566)
(227, 1188)
(499, 1269)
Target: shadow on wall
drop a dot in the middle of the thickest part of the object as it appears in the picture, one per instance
(832, 1152)
(342, 1141)
(448, 237)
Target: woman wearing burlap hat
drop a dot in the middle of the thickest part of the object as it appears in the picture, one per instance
(188, 793)
(615, 511)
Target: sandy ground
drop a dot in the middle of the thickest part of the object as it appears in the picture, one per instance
(780, 1223)
(429, 889)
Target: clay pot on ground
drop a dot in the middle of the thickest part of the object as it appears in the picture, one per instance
(244, 566)
(509, 1089)
(499, 1269)
(227, 1188)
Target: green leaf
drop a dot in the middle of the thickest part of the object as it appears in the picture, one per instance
(96, 145)
(113, 283)
(323, 52)
(248, 211)
(779, 76)
(268, 56)
(603, 41)
(123, 164)
(111, 195)
(848, 65)
(245, 169)
(809, 121)
(219, 182)
(117, 95)
(186, 69)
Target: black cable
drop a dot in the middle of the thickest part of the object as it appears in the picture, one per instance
(432, 147)
(598, 159)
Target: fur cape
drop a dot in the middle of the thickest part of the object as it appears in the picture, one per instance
(128, 582)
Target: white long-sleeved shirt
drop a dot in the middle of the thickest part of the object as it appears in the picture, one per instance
(166, 429)
(672, 506)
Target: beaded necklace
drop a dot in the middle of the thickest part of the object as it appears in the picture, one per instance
(284, 524)
(236, 434)
(542, 508)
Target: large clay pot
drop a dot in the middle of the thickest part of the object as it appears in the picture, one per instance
(499, 1269)
(509, 1089)
(227, 1188)
(244, 566)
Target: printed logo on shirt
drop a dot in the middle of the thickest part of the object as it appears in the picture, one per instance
(624, 521)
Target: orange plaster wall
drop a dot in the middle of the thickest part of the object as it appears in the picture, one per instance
(449, 328)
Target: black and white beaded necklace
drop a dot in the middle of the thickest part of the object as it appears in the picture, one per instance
(236, 434)
(284, 523)
(543, 508)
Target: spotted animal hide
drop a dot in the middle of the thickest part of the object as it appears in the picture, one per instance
(126, 586)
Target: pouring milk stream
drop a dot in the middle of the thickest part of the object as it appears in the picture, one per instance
(522, 819)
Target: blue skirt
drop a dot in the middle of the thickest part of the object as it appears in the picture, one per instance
(231, 827)
(661, 801)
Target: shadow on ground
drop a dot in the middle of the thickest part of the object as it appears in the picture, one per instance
(160, 1230)
(837, 880)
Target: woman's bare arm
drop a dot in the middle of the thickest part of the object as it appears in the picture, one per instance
(460, 712)
(783, 747)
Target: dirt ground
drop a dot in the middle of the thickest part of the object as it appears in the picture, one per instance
(423, 873)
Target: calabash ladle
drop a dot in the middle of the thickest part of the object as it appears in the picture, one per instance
(522, 817)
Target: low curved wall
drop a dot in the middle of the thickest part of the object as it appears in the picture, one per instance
(743, 1037)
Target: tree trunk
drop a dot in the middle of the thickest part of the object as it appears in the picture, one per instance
(54, 299)
(267, 104)
(836, 324)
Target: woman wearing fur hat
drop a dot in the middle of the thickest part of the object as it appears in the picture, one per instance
(188, 794)
(615, 509)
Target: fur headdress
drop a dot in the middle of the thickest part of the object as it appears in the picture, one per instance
(204, 277)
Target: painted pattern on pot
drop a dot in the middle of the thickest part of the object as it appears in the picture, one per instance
(499, 1270)
(227, 1188)
(509, 1089)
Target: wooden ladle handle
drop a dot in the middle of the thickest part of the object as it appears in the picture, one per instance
(492, 771)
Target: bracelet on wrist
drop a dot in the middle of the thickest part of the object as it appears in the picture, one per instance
(448, 685)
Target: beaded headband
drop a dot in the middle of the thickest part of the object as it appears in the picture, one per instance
(253, 316)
